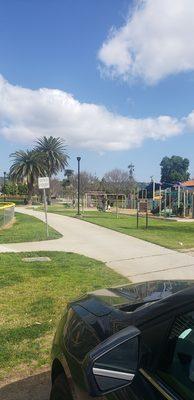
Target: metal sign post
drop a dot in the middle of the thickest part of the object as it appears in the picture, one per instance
(45, 210)
(137, 218)
(147, 219)
(44, 183)
(78, 186)
(143, 208)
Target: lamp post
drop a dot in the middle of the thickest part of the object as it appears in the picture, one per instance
(153, 188)
(4, 177)
(160, 200)
(78, 185)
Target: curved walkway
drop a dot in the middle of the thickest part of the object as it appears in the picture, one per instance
(134, 258)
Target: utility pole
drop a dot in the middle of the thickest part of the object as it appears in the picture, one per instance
(78, 186)
(131, 182)
(131, 168)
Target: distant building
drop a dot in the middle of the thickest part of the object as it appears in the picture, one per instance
(188, 185)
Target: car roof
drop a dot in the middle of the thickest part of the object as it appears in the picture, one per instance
(152, 290)
(154, 297)
(145, 300)
(169, 305)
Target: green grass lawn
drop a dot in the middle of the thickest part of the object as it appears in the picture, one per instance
(26, 229)
(166, 233)
(32, 297)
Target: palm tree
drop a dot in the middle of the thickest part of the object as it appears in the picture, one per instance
(53, 152)
(26, 167)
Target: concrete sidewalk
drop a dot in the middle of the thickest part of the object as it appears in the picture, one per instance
(134, 258)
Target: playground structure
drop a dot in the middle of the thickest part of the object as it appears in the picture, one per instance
(102, 200)
(161, 199)
(7, 211)
(167, 200)
(176, 201)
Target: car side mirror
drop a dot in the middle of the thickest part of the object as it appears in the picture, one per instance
(113, 364)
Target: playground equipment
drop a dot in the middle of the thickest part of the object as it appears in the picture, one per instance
(165, 200)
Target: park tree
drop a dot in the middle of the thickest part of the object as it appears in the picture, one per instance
(70, 186)
(48, 157)
(116, 181)
(26, 168)
(22, 188)
(88, 182)
(54, 155)
(174, 169)
(10, 188)
(56, 187)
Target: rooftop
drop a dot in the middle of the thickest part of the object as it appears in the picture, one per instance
(188, 183)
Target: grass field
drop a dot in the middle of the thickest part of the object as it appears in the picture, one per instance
(26, 229)
(170, 234)
(32, 297)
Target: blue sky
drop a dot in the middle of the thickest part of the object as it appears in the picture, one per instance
(58, 44)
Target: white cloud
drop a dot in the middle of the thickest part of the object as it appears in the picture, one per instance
(189, 121)
(155, 41)
(26, 114)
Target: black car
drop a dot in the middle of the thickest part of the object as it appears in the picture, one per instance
(134, 342)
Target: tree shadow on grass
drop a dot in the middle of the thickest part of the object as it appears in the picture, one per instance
(43, 305)
(35, 387)
(16, 335)
(10, 338)
(10, 279)
(12, 353)
(161, 228)
(101, 216)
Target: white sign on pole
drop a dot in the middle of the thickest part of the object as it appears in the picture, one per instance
(43, 182)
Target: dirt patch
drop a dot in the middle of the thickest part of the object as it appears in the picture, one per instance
(34, 387)
(190, 252)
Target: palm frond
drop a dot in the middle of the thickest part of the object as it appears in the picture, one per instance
(54, 153)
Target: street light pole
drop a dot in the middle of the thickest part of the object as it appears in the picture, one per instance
(153, 188)
(78, 186)
(4, 177)
(165, 201)
(160, 200)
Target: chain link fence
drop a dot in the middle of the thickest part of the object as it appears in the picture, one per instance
(6, 213)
